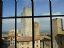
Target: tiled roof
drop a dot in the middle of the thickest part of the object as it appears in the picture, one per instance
(27, 38)
(45, 38)
(12, 46)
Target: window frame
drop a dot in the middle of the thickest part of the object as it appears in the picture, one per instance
(17, 17)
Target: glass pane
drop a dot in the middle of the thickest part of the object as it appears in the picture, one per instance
(24, 8)
(41, 7)
(8, 33)
(57, 7)
(8, 8)
(42, 33)
(58, 32)
(24, 33)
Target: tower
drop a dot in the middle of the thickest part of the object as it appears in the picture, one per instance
(27, 11)
(36, 29)
(58, 33)
(57, 26)
(27, 22)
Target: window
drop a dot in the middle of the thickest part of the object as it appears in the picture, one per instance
(32, 20)
(22, 43)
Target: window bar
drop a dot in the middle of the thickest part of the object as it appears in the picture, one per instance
(51, 23)
(15, 21)
(1, 5)
(32, 23)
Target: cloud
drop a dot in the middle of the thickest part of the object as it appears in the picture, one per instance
(11, 21)
(54, 13)
(57, 13)
(8, 21)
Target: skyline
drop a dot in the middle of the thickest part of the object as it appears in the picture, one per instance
(44, 23)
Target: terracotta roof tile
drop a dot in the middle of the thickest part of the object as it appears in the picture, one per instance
(27, 38)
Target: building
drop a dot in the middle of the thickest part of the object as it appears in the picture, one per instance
(5, 40)
(58, 33)
(26, 22)
(26, 42)
(36, 29)
(25, 39)
(57, 26)
(45, 41)
(11, 38)
(27, 11)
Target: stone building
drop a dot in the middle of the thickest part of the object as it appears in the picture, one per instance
(36, 29)
(58, 33)
(26, 42)
(26, 22)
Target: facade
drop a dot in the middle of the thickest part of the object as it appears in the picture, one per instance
(57, 26)
(25, 39)
(26, 22)
(58, 33)
(36, 29)
(26, 42)
(27, 11)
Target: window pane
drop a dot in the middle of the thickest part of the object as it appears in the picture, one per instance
(42, 32)
(24, 8)
(8, 33)
(8, 8)
(57, 7)
(58, 32)
(24, 34)
(41, 7)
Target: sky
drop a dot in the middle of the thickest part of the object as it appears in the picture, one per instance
(41, 7)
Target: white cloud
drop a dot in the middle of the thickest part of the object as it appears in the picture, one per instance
(56, 13)
(11, 21)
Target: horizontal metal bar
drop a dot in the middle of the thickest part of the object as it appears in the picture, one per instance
(31, 16)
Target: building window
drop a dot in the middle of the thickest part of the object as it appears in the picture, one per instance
(27, 42)
(36, 41)
(36, 45)
(27, 47)
(22, 43)
(22, 47)
(42, 10)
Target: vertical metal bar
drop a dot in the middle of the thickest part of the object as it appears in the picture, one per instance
(1, 5)
(51, 23)
(32, 23)
(15, 22)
